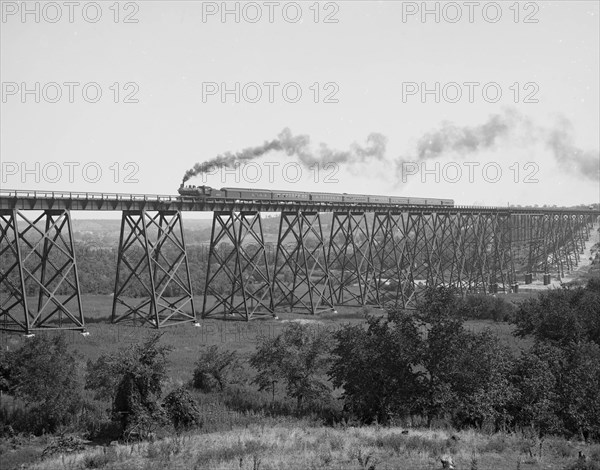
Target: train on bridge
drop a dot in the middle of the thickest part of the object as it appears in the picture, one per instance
(252, 194)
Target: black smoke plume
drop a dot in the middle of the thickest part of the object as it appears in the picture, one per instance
(296, 146)
(508, 127)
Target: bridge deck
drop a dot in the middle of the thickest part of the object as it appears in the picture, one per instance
(93, 201)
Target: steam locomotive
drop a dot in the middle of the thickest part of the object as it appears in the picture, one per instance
(251, 194)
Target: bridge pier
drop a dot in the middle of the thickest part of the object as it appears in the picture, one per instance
(416, 236)
(153, 282)
(443, 231)
(555, 242)
(393, 275)
(38, 263)
(237, 276)
(350, 261)
(301, 280)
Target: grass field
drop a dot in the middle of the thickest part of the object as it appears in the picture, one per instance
(297, 446)
(188, 340)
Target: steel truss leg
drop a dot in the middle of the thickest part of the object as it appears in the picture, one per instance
(420, 253)
(507, 253)
(477, 238)
(392, 263)
(501, 266)
(520, 246)
(38, 263)
(349, 260)
(538, 242)
(238, 273)
(555, 242)
(301, 275)
(153, 282)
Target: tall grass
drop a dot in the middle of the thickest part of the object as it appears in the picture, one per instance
(297, 445)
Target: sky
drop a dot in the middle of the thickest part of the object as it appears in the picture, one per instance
(495, 105)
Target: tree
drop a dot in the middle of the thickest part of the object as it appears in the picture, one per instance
(482, 382)
(535, 377)
(465, 374)
(214, 368)
(133, 379)
(43, 373)
(182, 409)
(299, 357)
(562, 316)
(378, 367)
(438, 303)
(442, 359)
(580, 390)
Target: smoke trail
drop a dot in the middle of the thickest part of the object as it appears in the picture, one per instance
(228, 159)
(509, 127)
(296, 146)
(568, 156)
(468, 139)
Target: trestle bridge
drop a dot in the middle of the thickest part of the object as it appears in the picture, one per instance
(370, 254)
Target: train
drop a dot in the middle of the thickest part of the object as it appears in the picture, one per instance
(252, 194)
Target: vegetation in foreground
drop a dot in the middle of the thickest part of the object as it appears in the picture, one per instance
(408, 370)
(299, 446)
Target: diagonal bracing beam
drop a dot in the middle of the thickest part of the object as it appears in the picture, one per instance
(237, 277)
(350, 261)
(153, 283)
(38, 262)
(301, 280)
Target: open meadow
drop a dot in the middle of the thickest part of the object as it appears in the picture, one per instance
(187, 340)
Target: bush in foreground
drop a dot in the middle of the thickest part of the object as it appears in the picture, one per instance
(132, 379)
(299, 358)
(182, 410)
(43, 374)
(215, 368)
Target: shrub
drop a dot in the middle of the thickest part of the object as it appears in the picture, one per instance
(39, 373)
(215, 368)
(182, 409)
(299, 357)
(561, 316)
(134, 381)
(485, 307)
(584, 465)
(466, 376)
(376, 367)
(497, 443)
(63, 445)
(439, 303)
(535, 377)
(97, 460)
